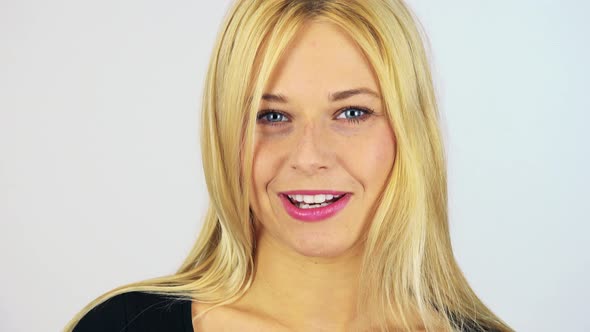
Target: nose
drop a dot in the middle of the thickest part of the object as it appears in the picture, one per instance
(311, 152)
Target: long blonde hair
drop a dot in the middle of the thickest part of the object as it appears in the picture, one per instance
(412, 273)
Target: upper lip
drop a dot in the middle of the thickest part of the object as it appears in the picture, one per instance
(313, 192)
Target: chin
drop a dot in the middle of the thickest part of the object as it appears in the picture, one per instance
(319, 246)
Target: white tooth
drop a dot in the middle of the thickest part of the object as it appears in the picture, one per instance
(323, 204)
(308, 199)
(319, 198)
(299, 198)
(329, 197)
(304, 206)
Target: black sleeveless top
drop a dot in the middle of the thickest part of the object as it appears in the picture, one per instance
(138, 311)
(144, 312)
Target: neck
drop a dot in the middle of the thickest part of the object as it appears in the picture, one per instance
(304, 292)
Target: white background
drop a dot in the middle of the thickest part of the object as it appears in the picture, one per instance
(100, 172)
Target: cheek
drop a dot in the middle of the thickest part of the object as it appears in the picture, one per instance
(373, 156)
(384, 151)
(265, 162)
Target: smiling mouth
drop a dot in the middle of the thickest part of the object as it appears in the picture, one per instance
(314, 206)
(312, 202)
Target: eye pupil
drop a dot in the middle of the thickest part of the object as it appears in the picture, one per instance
(272, 117)
(354, 112)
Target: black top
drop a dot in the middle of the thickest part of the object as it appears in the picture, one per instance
(138, 312)
(144, 312)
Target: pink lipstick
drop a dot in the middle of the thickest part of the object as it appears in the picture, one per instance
(314, 213)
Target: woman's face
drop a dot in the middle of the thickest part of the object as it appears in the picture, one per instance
(321, 128)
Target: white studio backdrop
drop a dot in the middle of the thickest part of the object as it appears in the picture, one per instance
(100, 169)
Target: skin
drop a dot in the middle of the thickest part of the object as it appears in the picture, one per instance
(306, 273)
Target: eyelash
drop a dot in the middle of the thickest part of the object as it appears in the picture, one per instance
(356, 121)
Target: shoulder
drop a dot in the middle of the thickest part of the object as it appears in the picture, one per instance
(138, 311)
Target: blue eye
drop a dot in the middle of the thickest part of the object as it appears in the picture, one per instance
(354, 114)
(272, 117)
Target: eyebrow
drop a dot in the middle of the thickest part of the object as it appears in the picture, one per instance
(335, 96)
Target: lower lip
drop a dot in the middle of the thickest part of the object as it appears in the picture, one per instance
(314, 214)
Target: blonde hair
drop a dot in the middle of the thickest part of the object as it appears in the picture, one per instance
(412, 272)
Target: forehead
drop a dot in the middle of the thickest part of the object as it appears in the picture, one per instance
(320, 59)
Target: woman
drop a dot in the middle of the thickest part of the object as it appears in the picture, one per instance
(327, 179)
